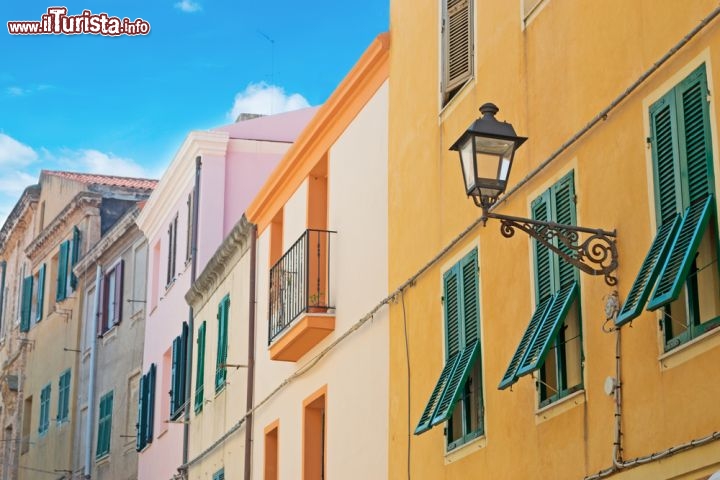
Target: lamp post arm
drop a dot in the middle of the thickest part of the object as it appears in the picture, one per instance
(595, 255)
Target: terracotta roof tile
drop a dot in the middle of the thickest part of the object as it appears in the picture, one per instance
(92, 178)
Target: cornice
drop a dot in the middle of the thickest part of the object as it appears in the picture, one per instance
(178, 176)
(230, 251)
(120, 228)
(330, 121)
(18, 214)
(81, 201)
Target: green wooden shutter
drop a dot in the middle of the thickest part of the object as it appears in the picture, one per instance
(141, 415)
(451, 297)
(182, 378)
(682, 253)
(26, 303)
(221, 372)
(548, 329)
(663, 131)
(456, 382)
(428, 413)
(563, 202)
(219, 475)
(63, 396)
(175, 374)
(649, 270)
(150, 404)
(74, 256)
(104, 424)
(40, 294)
(61, 291)
(541, 210)
(694, 139)
(44, 410)
(470, 298)
(511, 375)
(200, 376)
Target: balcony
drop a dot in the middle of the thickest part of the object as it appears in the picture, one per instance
(300, 297)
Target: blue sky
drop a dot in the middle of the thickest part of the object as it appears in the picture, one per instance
(123, 105)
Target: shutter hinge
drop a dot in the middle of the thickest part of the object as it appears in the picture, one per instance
(648, 142)
(574, 198)
(708, 97)
(660, 324)
(442, 299)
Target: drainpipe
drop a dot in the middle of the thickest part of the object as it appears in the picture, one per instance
(91, 379)
(251, 357)
(193, 273)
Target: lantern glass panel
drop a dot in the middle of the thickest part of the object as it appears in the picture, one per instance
(467, 159)
(498, 155)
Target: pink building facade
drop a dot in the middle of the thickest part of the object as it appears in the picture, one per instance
(229, 165)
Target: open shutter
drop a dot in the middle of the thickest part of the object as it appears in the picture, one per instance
(200, 377)
(40, 294)
(682, 253)
(563, 202)
(140, 425)
(649, 270)
(455, 383)
(150, 409)
(426, 418)
(451, 297)
(694, 139)
(221, 372)
(470, 298)
(457, 43)
(511, 375)
(119, 275)
(548, 329)
(174, 375)
(26, 303)
(61, 291)
(663, 130)
(182, 378)
(74, 256)
(541, 210)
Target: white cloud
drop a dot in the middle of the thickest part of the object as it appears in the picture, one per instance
(265, 99)
(188, 6)
(16, 91)
(15, 153)
(95, 161)
(14, 182)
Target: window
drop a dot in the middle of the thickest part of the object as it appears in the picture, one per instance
(179, 365)
(146, 408)
(62, 271)
(681, 264)
(222, 344)
(172, 250)
(112, 298)
(219, 475)
(188, 232)
(40, 296)
(314, 436)
(27, 421)
(44, 410)
(26, 303)
(74, 257)
(457, 396)
(105, 413)
(552, 342)
(200, 375)
(457, 46)
(271, 451)
(63, 397)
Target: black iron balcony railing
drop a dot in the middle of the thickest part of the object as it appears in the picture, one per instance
(300, 281)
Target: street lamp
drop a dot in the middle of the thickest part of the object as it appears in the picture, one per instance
(487, 149)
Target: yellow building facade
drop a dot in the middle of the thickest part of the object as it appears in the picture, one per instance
(617, 101)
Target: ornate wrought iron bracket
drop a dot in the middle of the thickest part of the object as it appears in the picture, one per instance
(596, 255)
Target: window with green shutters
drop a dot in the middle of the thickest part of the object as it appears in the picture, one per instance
(200, 375)
(222, 343)
(26, 303)
(178, 375)
(44, 410)
(146, 409)
(552, 341)
(105, 414)
(74, 257)
(62, 271)
(219, 475)
(63, 397)
(457, 396)
(680, 274)
(40, 298)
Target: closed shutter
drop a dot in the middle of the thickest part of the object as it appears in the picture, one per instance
(649, 270)
(200, 377)
(105, 425)
(694, 138)
(63, 396)
(40, 294)
(174, 376)
(470, 298)
(682, 253)
(74, 256)
(457, 43)
(141, 415)
(221, 372)
(451, 297)
(26, 303)
(663, 128)
(61, 291)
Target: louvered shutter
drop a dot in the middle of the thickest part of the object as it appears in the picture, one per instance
(61, 291)
(649, 270)
(563, 203)
(455, 383)
(200, 378)
(40, 294)
(663, 128)
(74, 256)
(511, 375)
(470, 298)
(694, 139)
(174, 375)
(457, 43)
(451, 297)
(150, 409)
(541, 210)
(141, 415)
(26, 303)
(182, 378)
(221, 372)
(548, 329)
(118, 300)
(682, 253)
(426, 418)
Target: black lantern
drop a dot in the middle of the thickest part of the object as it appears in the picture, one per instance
(486, 152)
